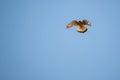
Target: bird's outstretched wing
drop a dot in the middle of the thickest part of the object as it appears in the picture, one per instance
(86, 22)
(73, 23)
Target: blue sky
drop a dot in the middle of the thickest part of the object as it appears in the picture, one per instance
(36, 45)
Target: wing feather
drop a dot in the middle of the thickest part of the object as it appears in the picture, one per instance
(86, 22)
(73, 23)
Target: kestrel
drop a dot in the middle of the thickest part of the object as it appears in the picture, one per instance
(81, 25)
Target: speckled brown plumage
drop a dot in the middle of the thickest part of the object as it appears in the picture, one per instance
(81, 25)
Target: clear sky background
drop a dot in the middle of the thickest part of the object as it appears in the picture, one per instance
(36, 45)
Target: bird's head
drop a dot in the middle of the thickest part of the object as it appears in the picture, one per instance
(80, 21)
(86, 22)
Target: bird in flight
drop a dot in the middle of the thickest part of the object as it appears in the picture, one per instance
(80, 24)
